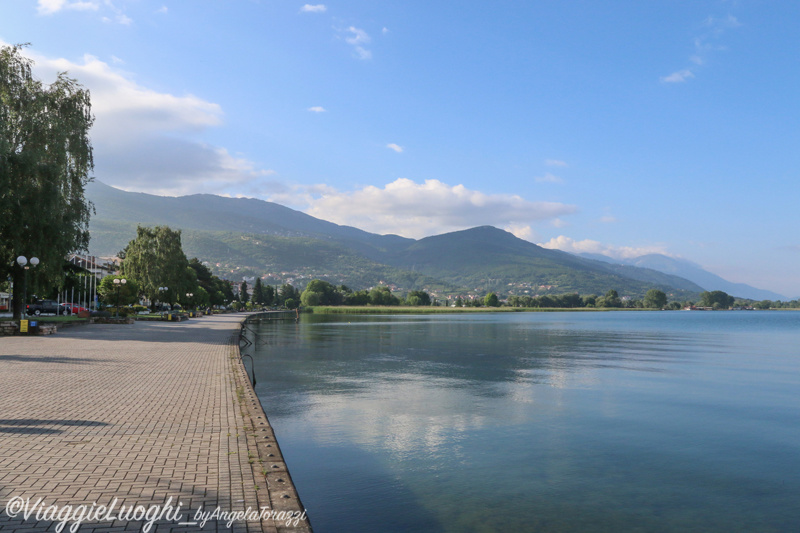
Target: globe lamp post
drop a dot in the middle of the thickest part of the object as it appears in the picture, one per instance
(118, 283)
(22, 261)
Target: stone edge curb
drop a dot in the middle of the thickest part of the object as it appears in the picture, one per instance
(275, 487)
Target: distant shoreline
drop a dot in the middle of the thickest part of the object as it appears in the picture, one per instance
(407, 310)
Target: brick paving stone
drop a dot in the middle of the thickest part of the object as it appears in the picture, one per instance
(134, 414)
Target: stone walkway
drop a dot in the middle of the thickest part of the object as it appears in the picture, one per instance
(155, 414)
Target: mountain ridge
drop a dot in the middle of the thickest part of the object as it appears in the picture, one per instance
(246, 236)
(694, 273)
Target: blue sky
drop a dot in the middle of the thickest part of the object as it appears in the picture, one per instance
(621, 127)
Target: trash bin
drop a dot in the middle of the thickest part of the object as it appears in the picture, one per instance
(33, 327)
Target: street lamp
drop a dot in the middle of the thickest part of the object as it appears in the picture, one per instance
(22, 261)
(161, 291)
(119, 283)
(189, 299)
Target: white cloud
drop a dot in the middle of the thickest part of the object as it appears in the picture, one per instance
(124, 108)
(357, 38)
(163, 10)
(522, 231)
(397, 148)
(413, 209)
(363, 53)
(48, 7)
(149, 141)
(317, 109)
(678, 77)
(568, 244)
(704, 45)
(318, 8)
(608, 219)
(554, 163)
(549, 178)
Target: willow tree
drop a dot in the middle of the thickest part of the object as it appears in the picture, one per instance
(45, 161)
(155, 259)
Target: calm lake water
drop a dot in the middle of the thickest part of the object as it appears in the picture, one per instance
(585, 422)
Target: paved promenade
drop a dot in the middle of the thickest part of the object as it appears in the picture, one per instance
(138, 413)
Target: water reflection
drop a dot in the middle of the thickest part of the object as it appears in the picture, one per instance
(538, 422)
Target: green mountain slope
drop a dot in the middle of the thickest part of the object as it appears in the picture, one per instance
(245, 237)
(497, 260)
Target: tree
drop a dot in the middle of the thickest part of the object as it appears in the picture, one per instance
(269, 295)
(45, 161)
(244, 297)
(418, 298)
(491, 300)
(655, 299)
(108, 291)
(716, 299)
(319, 292)
(382, 295)
(287, 292)
(155, 259)
(611, 299)
(258, 292)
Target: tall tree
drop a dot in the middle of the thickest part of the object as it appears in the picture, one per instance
(269, 295)
(258, 292)
(491, 300)
(655, 299)
(155, 259)
(45, 161)
(244, 296)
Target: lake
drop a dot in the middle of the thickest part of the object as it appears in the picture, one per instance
(584, 422)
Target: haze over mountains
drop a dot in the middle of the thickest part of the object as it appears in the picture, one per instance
(246, 237)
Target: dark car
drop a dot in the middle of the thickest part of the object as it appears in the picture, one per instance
(42, 307)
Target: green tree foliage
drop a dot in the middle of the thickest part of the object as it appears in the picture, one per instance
(611, 299)
(269, 295)
(286, 292)
(258, 292)
(216, 290)
(357, 298)
(655, 299)
(716, 299)
(244, 296)
(45, 161)
(491, 300)
(320, 292)
(382, 295)
(128, 292)
(418, 298)
(155, 259)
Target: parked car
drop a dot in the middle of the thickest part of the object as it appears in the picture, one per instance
(43, 307)
(73, 308)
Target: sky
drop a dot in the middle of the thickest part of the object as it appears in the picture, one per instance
(615, 127)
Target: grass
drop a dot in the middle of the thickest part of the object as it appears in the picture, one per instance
(70, 318)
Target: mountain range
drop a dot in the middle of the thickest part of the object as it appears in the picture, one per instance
(243, 237)
(693, 272)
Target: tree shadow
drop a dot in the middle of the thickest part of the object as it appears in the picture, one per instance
(192, 330)
(51, 359)
(37, 426)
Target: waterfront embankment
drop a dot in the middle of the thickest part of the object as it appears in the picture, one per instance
(117, 427)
